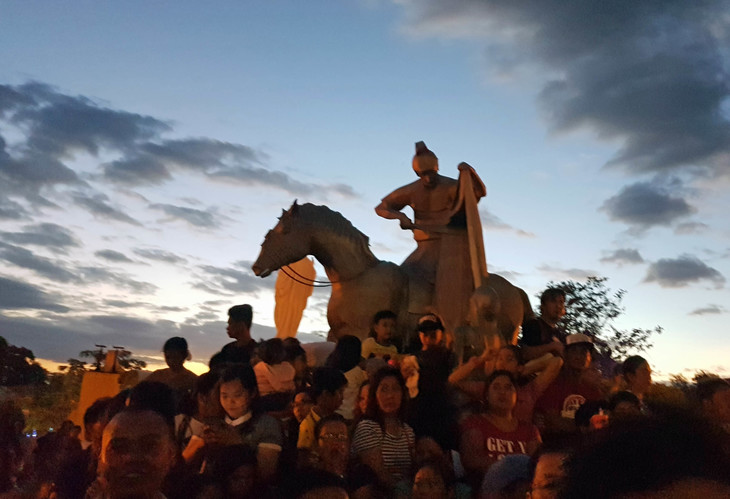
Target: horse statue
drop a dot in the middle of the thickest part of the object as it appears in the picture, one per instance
(363, 285)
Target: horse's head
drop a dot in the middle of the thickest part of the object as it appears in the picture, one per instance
(286, 243)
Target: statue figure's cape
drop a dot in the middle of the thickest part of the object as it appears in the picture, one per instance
(469, 185)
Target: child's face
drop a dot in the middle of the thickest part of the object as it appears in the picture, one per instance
(431, 340)
(235, 399)
(384, 329)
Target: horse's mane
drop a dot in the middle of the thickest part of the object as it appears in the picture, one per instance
(334, 221)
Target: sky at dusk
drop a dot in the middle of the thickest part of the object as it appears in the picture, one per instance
(147, 147)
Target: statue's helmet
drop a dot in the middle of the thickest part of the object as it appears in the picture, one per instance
(424, 160)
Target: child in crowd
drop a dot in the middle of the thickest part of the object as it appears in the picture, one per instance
(273, 373)
(328, 389)
(381, 333)
(238, 391)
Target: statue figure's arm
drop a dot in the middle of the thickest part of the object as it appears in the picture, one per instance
(391, 205)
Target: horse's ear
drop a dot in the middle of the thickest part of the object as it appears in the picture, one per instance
(294, 208)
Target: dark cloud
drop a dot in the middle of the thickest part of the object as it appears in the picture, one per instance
(651, 74)
(24, 258)
(623, 256)
(98, 206)
(208, 219)
(124, 304)
(237, 279)
(16, 295)
(103, 275)
(113, 256)
(159, 255)
(45, 234)
(56, 127)
(60, 124)
(710, 309)
(11, 210)
(682, 271)
(493, 222)
(643, 205)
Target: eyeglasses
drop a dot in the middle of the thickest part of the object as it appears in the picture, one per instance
(338, 437)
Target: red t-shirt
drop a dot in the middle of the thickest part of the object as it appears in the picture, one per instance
(500, 443)
(566, 397)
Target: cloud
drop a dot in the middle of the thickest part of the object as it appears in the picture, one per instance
(45, 234)
(623, 256)
(16, 295)
(11, 210)
(643, 205)
(24, 258)
(113, 256)
(651, 75)
(573, 273)
(98, 206)
(208, 219)
(160, 255)
(490, 221)
(56, 128)
(691, 228)
(90, 274)
(236, 279)
(709, 309)
(682, 271)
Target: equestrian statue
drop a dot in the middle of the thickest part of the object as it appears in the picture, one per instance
(446, 274)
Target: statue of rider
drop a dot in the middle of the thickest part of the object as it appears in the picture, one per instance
(444, 269)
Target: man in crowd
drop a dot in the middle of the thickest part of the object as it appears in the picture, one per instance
(542, 335)
(137, 453)
(714, 397)
(243, 347)
(560, 401)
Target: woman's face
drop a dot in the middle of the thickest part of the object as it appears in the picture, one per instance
(235, 399)
(507, 361)
(389, 395)
(501, 394)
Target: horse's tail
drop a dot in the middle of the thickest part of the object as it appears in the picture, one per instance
(527, 312)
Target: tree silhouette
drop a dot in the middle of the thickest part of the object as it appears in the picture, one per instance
(591, 307)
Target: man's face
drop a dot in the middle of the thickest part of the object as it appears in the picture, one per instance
(334, 443)
(236, 329)
(137, 452)
(330, 402)
(553, 310)
(175, 358)
(429, 178)
(578, 357)
(302, 405)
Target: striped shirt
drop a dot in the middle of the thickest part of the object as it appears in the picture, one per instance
(397, 451)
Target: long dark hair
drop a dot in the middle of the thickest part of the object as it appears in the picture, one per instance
(373, 410)
(347, 353)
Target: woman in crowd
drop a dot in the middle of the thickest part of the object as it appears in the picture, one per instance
(238, 393)
(509, 358)
(495, 433)
(273, 373)
(382, 440)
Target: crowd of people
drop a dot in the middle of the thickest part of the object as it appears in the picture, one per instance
(277, 419)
